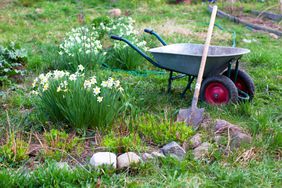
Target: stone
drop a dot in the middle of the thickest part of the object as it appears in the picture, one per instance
(185, 146)
(34, 150)
(62, 165)
(202, 150)
(174, 150)
(126, 159)
(104, 158)
(239, 139)
(195, 141)
(274, 36)
(146, 156)
(116, 12)
(247, 41)
(39, 10)
(223, 126)
(157, 154)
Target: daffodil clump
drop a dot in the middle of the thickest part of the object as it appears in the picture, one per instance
(81, 46)
(82, 102)
(121, 55)
(91, 46)
(124, 26)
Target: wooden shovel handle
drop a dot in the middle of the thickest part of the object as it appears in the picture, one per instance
(204, 59)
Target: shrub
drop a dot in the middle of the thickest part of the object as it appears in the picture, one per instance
(161, 132)
(12, 61)
(59, 143)
(84, 103)
(121, 144)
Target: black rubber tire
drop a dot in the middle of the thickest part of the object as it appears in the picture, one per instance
(246, 79)
(226, 82)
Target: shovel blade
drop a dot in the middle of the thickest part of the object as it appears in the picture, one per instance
(191, 116)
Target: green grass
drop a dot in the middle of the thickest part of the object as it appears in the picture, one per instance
(38, 26)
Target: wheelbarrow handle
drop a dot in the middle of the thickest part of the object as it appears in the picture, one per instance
(115, 37)
(150, 31)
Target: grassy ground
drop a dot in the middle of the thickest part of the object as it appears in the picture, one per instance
(39, 25)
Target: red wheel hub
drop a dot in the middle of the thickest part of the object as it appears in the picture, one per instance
(216, 93)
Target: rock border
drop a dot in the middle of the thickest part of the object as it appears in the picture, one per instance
(220, 129)
(235, 19)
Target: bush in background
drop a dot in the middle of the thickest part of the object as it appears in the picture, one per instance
(12, 61)
(72, 98)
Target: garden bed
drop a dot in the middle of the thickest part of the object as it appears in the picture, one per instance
(268, 15)
(239, 16)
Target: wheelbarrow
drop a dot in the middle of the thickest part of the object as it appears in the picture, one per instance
(222, 83)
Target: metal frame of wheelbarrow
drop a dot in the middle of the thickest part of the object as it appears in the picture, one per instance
(191, 78)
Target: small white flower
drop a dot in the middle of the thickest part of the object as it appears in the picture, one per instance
(80, 68)
(61, 53)
(93, 80)
(72, 77)
(104, 83)
(87, 84)
(33, 92)
(59, 89)
(117, 83)
(96, 90)
(120, 89)
(57, 74)
(34, 82)
(65, 83)
(99, 99)
(110, 82)
(45, 86)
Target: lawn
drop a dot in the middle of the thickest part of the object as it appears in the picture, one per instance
(66, 123)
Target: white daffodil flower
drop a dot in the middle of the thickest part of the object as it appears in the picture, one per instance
(73, 77)
(99, 99)
(80, 68)
(96, 90)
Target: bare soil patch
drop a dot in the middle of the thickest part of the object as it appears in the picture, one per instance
(239, 13)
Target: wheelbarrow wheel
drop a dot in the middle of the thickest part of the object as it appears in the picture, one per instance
(218, 90)
(244, 82)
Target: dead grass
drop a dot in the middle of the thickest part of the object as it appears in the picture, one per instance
(4, 3)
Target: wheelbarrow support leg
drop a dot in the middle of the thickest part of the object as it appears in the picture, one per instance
(169, 82)
(236, 71)
(190, 80)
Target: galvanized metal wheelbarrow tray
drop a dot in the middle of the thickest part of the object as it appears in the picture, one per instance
(186, 58)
